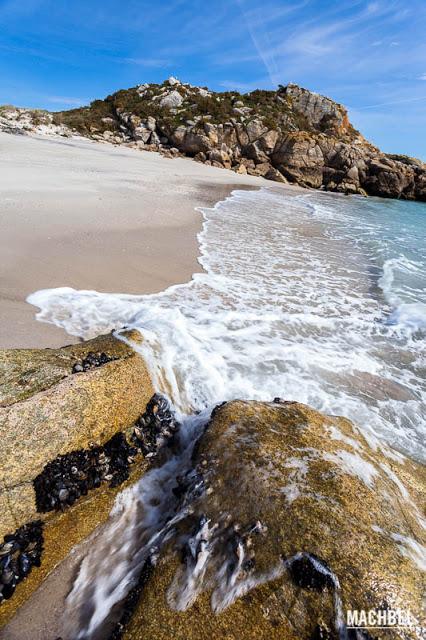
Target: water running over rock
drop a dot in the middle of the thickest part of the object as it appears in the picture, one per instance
(276, 501)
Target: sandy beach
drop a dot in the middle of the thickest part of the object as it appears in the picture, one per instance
(95, 216)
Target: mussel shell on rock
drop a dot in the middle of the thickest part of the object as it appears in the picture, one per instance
(19, 553)
(156, 427)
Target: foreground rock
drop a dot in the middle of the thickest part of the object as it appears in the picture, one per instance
(298, 520)
(291, 134)
(64, 417)
(48, 409)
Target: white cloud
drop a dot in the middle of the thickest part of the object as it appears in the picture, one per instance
(75, 102)
(236, 85)
(423, 76)
(148, 62)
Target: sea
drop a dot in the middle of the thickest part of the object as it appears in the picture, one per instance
(307, 296)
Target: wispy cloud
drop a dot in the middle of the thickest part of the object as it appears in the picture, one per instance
(66, 100)
(423, 76)
(156, 63)
(237, 85)
(390, 102)
(257, 21)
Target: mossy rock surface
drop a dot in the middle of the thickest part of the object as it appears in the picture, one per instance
(316, 487)
(25, 372)
(48, 411)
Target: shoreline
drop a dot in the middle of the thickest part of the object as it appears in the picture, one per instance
(94, 216)
(40, 613)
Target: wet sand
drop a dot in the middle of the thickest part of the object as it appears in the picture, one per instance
(93, 216)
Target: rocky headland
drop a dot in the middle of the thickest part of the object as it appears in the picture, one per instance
(277, 521)
(288, 135)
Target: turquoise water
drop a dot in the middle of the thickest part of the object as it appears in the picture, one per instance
(315, 297)
(392, 236)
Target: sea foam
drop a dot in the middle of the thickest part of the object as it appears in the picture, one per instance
(301, 297)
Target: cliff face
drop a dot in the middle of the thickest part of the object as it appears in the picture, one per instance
(291, 134)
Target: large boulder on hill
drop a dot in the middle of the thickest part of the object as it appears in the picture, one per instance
(220, 156)
(241, 134)
(140, 129)
(268, 141)
(296, 519)
(171, 100)
(226, 135)
(343, 156)
(420, 193)
(394, 179)
(418, 169)
(255, 129)
(53, 401)
(189, 140)
(299, 158)
(254, 151)
(321, 112)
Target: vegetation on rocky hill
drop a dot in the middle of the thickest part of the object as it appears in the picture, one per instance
(274, 108)
(290, 134)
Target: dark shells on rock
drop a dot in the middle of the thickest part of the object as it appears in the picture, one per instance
(322, 633)
(19, 553)
(91, 361)
(156, 427)
(310, 572)
(72, 475)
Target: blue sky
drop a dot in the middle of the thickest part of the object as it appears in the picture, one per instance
(370, 56)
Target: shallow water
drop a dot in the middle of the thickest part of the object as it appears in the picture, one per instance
(317, 298)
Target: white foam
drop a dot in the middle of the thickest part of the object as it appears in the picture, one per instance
(284, 308)
(353, 464)
(411, 315)
(408, 547)
(412, 549)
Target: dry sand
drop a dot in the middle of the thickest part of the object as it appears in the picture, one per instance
(93, 216)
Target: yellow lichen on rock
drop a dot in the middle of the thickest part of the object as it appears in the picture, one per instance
(48, 412)
(281, 479)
